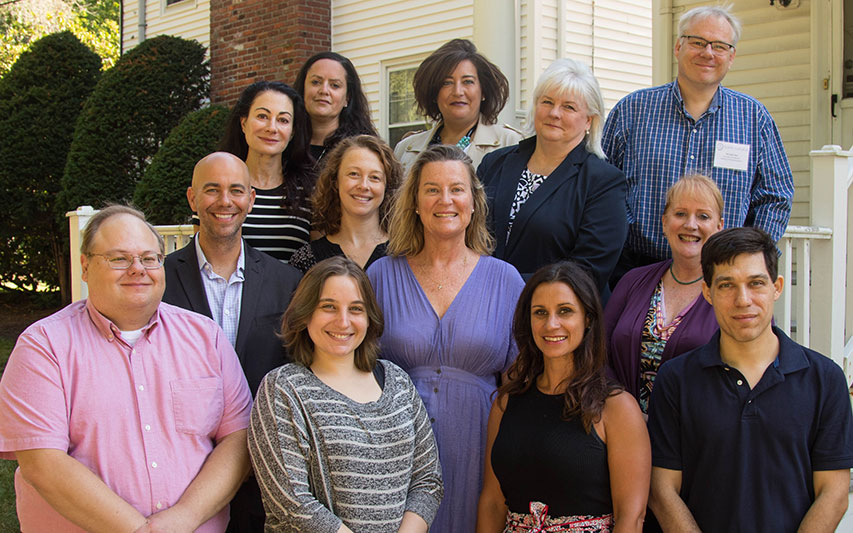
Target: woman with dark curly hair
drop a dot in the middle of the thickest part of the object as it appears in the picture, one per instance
(339, 441)
(268, 129)
(567, 449)
(463, 93)
(351, 200)
(334, 100)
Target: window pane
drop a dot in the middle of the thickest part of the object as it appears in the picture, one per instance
(401, 103)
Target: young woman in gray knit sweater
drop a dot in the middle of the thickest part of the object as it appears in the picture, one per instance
(340, 442)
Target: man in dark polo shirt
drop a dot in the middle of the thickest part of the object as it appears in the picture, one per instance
(751, 432)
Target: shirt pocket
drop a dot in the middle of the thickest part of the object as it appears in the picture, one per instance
(197, 405)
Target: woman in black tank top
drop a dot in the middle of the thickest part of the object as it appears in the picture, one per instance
(567, 448)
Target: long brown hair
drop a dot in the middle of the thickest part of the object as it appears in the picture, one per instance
(296, 162)
(588, 387)
(294, 323)
(355, 116)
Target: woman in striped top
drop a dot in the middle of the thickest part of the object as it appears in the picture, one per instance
(268, 129)
(339, 442)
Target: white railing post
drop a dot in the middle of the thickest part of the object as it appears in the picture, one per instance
(831, 173)
(783, 309)
(795, 304)
(175, 237)
(804, 292)
(77, 220)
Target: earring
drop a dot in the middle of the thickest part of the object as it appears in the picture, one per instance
(587, 133)
(417, 212)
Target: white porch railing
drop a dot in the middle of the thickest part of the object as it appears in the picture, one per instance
(815, 307)
(175, 237)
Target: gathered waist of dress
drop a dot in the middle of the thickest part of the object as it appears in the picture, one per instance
(487, 384)
(538, 521)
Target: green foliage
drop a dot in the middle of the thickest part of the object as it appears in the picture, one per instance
(94, 22)
(42, 93)
(131, 111)
(161, 193)
(8, 518)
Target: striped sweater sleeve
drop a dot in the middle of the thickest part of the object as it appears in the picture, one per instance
(279, 445)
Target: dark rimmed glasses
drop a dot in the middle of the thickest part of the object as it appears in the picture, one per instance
(698, 43)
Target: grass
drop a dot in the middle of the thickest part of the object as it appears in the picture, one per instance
(8, 518)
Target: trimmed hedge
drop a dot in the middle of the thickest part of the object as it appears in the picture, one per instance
(162, 192)
(131, 111)
(40, 98)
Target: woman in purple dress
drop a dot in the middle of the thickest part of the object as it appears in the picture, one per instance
(448, 312)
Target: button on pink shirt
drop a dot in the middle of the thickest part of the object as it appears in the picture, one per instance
(143, 419)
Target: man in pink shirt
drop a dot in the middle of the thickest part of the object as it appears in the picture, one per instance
(124, 413)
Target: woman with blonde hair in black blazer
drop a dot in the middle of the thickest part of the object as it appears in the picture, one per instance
(553, 196)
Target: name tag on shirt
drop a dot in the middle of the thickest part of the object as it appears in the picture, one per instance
(731, 155)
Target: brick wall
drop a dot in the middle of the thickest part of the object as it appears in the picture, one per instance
(253, 40)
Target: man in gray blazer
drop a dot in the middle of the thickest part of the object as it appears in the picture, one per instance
(245, 291)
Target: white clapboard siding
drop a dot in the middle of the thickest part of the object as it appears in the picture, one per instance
(527, 74)
(623, 47)
(376, 34)
(614, 37)
(773, 65)
(189, 19)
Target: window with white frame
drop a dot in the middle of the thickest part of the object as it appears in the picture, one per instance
(403, 115)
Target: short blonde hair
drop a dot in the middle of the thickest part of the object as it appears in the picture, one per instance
(694, 185)
(406, 231)
(570, 77)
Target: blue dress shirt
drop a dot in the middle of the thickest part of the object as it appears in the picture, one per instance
(224, 297)
(652, 138)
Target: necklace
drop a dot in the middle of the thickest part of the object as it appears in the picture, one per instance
(682, 282)
(453, 279)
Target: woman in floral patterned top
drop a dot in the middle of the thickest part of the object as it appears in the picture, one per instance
(657, 312)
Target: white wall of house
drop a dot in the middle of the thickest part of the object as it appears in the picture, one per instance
(775, 63)
(189, 19)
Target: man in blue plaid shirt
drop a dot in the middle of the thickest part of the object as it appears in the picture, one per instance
(695, 125)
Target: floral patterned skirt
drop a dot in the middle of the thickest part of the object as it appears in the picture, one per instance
(538, 521)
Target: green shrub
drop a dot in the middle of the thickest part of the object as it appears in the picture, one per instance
(162, 192)
(131, 111)
(40, 97)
